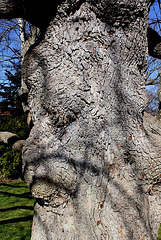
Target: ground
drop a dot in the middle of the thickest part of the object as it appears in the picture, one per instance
(16, 210)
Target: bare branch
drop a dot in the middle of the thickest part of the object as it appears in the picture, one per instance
(8, 59)
(152, 99)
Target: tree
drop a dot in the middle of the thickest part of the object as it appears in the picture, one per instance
(92, 160)
(16, 122)
(9, 91)
(154, 63)
(16, 37)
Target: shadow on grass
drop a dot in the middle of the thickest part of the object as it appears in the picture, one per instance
(17, 207)
(24, 195)
(20, 219)
(10, 185)
(16, 211)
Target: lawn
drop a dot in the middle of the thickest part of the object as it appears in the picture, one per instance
(159, 234)
(16, 211)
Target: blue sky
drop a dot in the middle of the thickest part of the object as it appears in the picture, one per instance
(9, 44)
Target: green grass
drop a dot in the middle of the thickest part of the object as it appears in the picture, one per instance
(159, 234)
(16, 211)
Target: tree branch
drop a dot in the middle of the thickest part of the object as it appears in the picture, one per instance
(8, 138)
(36, 12)
(154, 43)
(147, 104)
(11, 8)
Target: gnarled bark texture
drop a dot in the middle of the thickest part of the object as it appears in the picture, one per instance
(92, 159)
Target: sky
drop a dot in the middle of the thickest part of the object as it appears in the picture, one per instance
(9, 45)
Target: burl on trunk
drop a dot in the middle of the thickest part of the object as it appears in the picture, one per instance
(93, 157)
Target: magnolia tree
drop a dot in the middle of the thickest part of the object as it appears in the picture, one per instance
(92, 160)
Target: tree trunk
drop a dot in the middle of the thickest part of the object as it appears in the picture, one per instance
(92, 159)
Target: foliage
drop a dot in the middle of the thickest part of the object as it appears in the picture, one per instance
(10, 163)
(9, 90)
(15, 124)
(16, 204)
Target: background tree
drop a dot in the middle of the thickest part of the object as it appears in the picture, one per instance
(15, 37)
(9, 91)
(154, 63)
(12, 119)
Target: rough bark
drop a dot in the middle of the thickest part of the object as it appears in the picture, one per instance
(18, 146)
(92, 161)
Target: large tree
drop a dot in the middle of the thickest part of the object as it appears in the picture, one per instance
(93, 156)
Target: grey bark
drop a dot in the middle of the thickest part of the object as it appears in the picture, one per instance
(92, 159)
(25, 46)
(12, 140)
(8, 138)
(18, 145)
